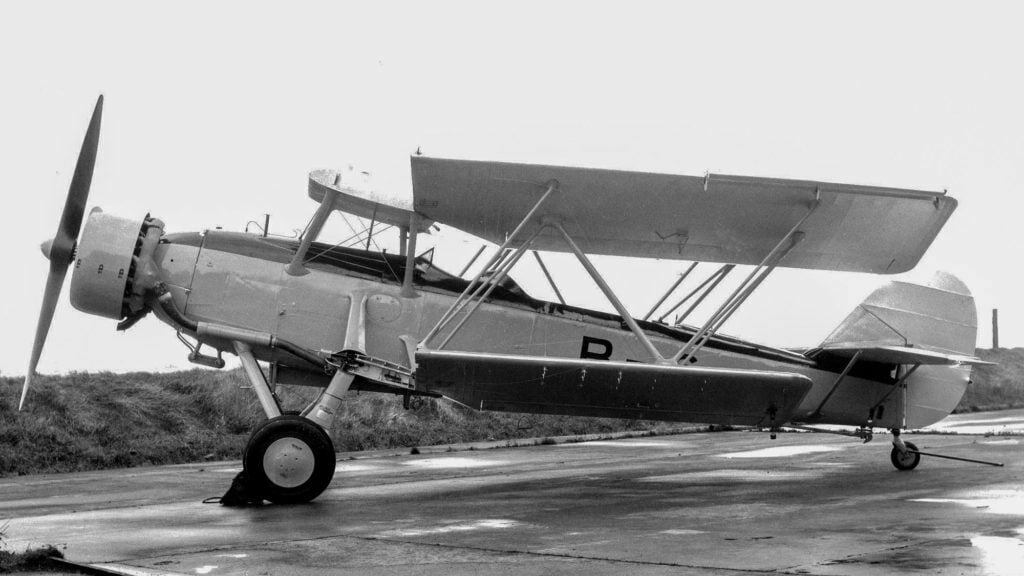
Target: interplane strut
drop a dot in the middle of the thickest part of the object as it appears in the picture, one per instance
(670, 290)
(473, 288)
(745, 289)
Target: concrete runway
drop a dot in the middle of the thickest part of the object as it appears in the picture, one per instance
(721, 503)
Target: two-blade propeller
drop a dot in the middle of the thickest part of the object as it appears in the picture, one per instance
(60, 250)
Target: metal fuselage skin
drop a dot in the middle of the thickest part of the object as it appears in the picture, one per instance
(240, 280)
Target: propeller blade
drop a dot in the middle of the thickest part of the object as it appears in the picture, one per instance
(78, 192)
(61, 248)
(54, 282)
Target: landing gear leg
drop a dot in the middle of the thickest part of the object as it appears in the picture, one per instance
(904, 455)
(289, 459)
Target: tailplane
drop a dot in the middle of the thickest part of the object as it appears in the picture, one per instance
(929, 327)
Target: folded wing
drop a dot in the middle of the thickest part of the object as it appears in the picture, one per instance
(611, 389)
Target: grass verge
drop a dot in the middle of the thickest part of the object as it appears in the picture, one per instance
(88, 421)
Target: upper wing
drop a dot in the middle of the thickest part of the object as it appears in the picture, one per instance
(714, 218)
(356, 196)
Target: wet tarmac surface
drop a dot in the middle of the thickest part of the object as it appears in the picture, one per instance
(721, 503)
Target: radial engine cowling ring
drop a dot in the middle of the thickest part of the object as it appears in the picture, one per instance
(113, 264)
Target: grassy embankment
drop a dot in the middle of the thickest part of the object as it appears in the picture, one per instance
(996, 387)
(87, 421)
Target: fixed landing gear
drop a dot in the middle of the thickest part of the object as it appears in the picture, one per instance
(289, 460)
(904, 455)
(290, 457)
(905, 460)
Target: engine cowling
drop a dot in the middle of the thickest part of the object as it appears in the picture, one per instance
(113, 264)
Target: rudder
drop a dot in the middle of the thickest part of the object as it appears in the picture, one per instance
(939, 316)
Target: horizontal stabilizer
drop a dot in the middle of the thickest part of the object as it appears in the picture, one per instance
(580, 387)
(904, 355)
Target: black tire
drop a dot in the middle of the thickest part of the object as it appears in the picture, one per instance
(300, 460)
(907, 461)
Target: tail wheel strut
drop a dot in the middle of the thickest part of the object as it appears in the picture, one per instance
(904, 455)
(905, 459)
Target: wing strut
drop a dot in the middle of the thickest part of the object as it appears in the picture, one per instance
(746, 288)
(718, 276)
(408, 291)
(641, 336)
(715, 278)
(295, 267)
(472, 260)
(491, 283)
(500, 259)
(547, 275)
(670, 291)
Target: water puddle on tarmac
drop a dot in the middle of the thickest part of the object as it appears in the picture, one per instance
(994, 501)
(736, 475)
(781, 451)
(453, 462)
(1000, 556)
(489, 524)
(1007, 425)
(623, 444)
(227, 470)
(1009, 430)
(955, 423)
(344, 467)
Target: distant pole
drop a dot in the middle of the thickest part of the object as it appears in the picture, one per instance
(995, 328)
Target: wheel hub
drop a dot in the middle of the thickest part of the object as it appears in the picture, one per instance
(288, 462)
(905, 457)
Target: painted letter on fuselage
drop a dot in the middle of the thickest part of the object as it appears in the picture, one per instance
(587, 352)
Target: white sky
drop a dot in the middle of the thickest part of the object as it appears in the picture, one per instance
(215, 113)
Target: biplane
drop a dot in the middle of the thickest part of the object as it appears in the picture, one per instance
(341, 318)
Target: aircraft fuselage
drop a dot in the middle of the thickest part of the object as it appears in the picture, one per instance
(240, 280)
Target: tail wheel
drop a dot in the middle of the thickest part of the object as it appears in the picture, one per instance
(905, 460)
(289, 460)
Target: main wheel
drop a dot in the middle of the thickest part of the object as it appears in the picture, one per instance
(905, 461)
(289, 460)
